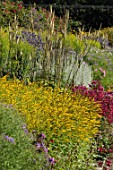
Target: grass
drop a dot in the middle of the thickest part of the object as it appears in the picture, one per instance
(16, 149)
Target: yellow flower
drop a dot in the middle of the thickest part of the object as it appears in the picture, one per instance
(51, 112)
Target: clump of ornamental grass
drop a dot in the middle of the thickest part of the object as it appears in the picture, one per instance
(70, 120)
(16, 56)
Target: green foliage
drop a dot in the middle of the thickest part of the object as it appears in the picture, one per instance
(15, 55)
(81, 42)
(72, 42)
(16, 149)
(93, 43)
(108, 32)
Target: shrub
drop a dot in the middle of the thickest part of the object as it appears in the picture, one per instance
(62, 116)
(108, 32)
(74, 43)
(80, 43)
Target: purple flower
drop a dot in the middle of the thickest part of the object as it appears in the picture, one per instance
(41, 145)
(45, 150)
(38, 145)
(42, 136)
(52, 161)
(25, 129)
(9, 139)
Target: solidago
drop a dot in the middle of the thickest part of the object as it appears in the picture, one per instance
(62, 115)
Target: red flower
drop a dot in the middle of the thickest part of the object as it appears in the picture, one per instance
(20, 6)
(52, 141)
(100, 163)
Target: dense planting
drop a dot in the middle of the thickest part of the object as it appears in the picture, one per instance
(101, 96)
(60, 115)
(50, 125)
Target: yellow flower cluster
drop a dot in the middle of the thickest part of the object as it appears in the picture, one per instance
(61, 115)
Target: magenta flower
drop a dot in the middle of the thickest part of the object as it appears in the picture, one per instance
(14, 11)
(100, 149)
(108, 162)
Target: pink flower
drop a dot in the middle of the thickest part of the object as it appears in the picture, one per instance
(101, 149)
(38, 145)
(14, 11)
(107, 168)
(4, 3)
(108, 162)
(110, 150)
(45, 150)
(103, 71)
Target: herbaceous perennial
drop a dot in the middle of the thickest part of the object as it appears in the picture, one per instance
(64, 114)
